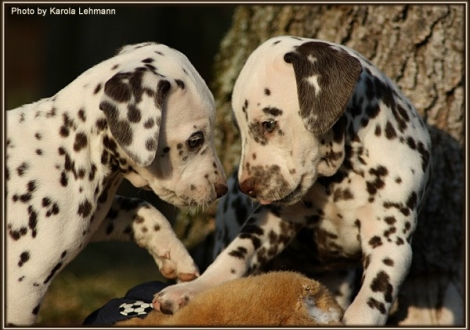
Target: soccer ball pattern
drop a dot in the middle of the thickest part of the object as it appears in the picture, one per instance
(136, 308)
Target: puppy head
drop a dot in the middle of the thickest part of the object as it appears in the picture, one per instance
(161, 114)
(286, 99)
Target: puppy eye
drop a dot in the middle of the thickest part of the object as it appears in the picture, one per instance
(269, 125)
(195, 140)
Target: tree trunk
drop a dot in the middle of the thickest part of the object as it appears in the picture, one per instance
(421, 47)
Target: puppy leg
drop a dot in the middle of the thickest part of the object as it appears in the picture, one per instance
(264, 235)
(136, 220)
(23, 305)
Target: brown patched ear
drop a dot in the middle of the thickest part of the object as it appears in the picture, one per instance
(132, 103)
(326, 77)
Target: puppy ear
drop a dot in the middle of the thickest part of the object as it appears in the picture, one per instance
(132, 103)
(325, 77)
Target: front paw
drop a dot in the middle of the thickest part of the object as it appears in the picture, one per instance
(178, 266)
(174, 297)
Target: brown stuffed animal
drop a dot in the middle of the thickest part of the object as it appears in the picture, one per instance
(271, 299)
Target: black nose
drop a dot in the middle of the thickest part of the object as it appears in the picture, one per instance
(220, 189)
(248, 187)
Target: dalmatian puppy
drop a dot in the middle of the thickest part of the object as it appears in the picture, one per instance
(331, 144)
(145, 115)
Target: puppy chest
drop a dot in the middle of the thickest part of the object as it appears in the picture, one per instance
(337, 237)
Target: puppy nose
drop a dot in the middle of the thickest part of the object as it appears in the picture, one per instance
(220, 189)
(248, 187)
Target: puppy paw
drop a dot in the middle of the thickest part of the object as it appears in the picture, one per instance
(177, 264)
(174, 297)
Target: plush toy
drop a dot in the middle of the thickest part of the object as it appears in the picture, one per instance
(271, 299)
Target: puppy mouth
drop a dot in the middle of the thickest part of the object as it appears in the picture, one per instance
(181, 201)
(294, 196)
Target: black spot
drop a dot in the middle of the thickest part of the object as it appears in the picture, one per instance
(101, 124)
(118, 88)
(378, 130)
(390, 220)
(31, 186)
(272, 111)
(342, 194)
(22, 169)
(33, 220)
(92, 173)
(399, 241)
(80, 141)
(388, 262)
(35, 310)
(149, 123)
(46, 201)
(133, 113)
(64, 131)
(82, 115)
(39, 152)
(52, 273)
(373, 303)
(122, 132)
(84, 208)
(97, 89)
(411, 142)
(375, 241)
(148, 60)
(151, 144)
(25, 197)
(64, 179)
(180, 83)
(404, 210)
(24, 257)
(51, 113)
(390, 132)
(267, 92)
(240, 253)
(372, 110)
(381, 283)
(254, 240)
(162, 89)
(38, 136)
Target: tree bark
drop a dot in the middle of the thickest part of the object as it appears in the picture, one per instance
(420, 47)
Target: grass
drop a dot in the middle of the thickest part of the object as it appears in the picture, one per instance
(101, 272)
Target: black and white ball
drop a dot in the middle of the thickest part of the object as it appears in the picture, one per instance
(136, 308)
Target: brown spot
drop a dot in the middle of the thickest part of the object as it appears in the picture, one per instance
(24, 257)
(390, 220)
(82, 115)
(240, 252)
(139, 219)
(390, 132)
(373, 303)
(80, 142)
(133, 113)
(22, 169)
(149, 123)
(381, 283)
(84, 208)
(375, 241)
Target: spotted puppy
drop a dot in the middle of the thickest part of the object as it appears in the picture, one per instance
(145, 115)
(328, 143)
